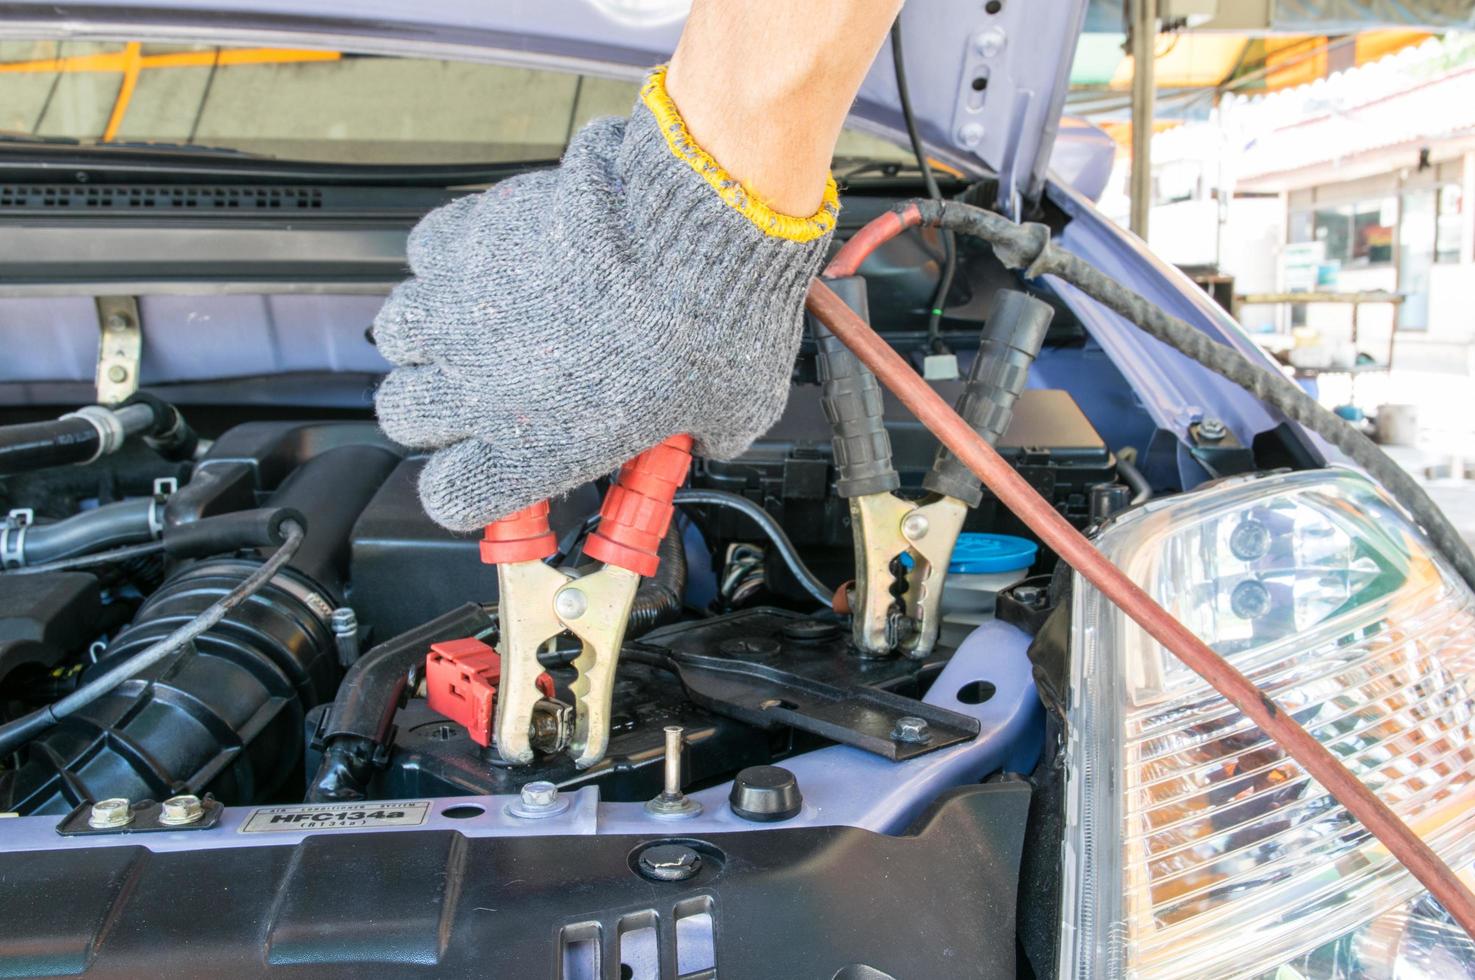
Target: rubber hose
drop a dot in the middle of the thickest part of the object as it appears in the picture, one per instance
(658, 600)
(332, 489)
(108, 526)
(1028, 247)
(38, 445)
(132, 553)
(1133, 477)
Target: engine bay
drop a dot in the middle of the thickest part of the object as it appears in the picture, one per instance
(733, 650)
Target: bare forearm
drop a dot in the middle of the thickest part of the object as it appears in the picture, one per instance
(764, 86)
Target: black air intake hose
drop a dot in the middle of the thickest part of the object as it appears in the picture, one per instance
(228, 717)
(331, 490)
(225, 719)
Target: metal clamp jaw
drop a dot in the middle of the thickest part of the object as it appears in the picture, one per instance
(537, 602)
(885, 527)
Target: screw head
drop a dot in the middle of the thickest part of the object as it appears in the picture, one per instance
(1250, 599)
(1212, 430)
(180, 810)
(109, 813)
(570, 603)
(912, 729)
(1249, 540)
(117, 373)
(990, 42)
(1028, 595)
(669, 862)
(914, 527)
(539, 795)
(539, 799)
(119, 321)
(971, 134)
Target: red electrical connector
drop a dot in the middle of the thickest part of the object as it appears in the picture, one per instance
(461, 678)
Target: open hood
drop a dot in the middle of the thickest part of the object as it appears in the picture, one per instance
(987, 79)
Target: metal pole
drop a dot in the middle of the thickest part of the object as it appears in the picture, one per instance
(1144, 37)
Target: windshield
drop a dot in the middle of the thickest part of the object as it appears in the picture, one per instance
(310, 105)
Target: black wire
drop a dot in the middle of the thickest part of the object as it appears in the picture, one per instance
(1028, 247)
(949, 245)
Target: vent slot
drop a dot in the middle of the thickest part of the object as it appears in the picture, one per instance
(696, 939)
(158, 198)
(578, 957)
(640, 951)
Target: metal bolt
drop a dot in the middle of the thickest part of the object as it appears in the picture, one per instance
(117, 374)
(119, 321)
(540, 795)
(971, 134)
(673, 760)
(669, 862)
(539, 799)
(914, 526)
(1212, 430)
(181, 810)
(570, 603)
(990, 42)
(672, 802)
(1028, 595)
(910, 728)
(109, 813)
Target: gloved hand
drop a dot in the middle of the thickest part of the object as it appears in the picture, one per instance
(565, 320)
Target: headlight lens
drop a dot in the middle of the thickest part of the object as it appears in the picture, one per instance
(1195, 847)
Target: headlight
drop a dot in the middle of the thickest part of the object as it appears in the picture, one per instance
(1194, 846)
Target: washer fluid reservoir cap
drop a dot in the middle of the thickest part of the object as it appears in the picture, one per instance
(980, 554)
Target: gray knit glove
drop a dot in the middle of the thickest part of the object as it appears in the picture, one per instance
(565, 320)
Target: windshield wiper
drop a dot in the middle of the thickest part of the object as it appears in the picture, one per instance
(24, 159)
(158, 146)
(15, 136)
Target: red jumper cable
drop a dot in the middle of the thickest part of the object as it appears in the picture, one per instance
(1073, 548)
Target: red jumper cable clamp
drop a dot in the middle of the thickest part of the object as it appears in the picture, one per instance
(537, 603)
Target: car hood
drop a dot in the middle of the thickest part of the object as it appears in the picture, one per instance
(986, 87)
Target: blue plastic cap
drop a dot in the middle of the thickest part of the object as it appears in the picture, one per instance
(979, 554)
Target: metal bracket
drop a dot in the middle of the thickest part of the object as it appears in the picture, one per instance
(774, 669)
(869, 718)
(119, 348)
